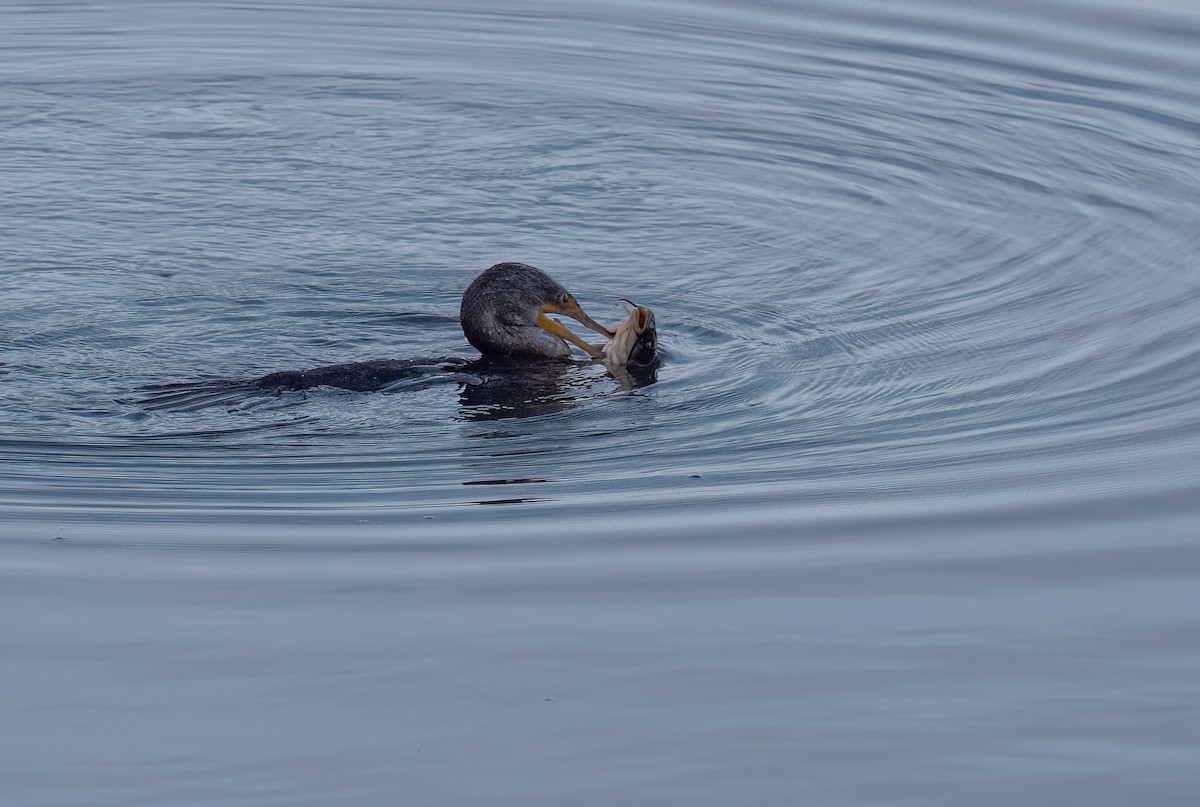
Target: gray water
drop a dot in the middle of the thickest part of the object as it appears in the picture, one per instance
(911, 515)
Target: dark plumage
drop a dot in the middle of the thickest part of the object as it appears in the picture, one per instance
(503, 315)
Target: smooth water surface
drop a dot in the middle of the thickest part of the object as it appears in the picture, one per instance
(910, 516)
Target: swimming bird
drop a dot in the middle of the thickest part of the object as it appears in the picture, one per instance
(504, 315)
(504, 310)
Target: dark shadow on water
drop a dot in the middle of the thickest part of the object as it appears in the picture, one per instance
(520, 481)
(510, 499)
(507, 501)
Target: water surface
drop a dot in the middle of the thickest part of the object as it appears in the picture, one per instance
(910, 516)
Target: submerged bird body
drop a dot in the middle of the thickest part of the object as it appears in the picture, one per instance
(503, 315)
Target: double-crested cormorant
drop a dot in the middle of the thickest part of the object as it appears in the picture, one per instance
(504, 315)
(504, 310)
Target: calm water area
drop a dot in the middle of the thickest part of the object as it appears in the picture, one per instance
(909, 516)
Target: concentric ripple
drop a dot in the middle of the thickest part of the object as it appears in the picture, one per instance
(905, 262)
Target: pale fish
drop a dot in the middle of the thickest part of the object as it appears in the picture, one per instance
(635, 340)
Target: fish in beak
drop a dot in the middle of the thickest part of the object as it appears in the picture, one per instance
(635, 341)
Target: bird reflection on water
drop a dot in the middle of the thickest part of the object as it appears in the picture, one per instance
(498, 391)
